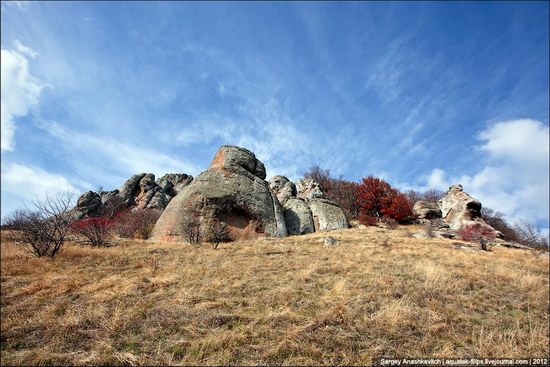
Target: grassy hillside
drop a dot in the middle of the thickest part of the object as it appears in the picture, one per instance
(281, 301)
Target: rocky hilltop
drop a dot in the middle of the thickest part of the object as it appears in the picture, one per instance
(454, 210)
(140, 191)
(233, 191)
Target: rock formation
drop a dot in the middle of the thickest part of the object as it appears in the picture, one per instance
(327, 215)
(307, 209)
(140, 191)
(426, 210)
(233, 190)
(459, 209)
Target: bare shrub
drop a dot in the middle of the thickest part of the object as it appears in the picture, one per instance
(15, 220)
(97, 231)
(44, 228)
(112, 207)
(217, 233)
(497, 221)
(342, 192)
(386, 242)
(191, 227)
(477, 233)
(390, 223)
(429, 230)
(432, 195)
(529, 235)
(137, 223)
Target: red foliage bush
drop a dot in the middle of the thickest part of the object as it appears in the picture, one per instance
(475, 233)
(375, 197)
(341, 191)
(399, 209)
(367, 220)
(97, 231)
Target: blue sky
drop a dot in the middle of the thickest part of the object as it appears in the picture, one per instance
(421, 94)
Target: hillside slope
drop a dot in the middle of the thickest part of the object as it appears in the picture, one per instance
(281, 301)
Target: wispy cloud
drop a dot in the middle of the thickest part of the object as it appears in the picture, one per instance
(22, 184)
(20, 91)
(515, 178)
(94, 153)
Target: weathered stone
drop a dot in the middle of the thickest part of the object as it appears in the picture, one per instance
(309, 189)
(327, 215)
(282, 188)
(131, 189)
(298, 217)
(172, 183)
(459, 209)
(138, 192)
(89, 204)
(427, 210)
(330, 241)
(230, 158)
(232, 190)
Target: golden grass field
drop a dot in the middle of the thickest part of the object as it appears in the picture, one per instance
(280, 301)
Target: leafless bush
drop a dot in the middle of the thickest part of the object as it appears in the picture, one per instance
(429, 230)
(386, 242)
(498, 222)
(15, 220)
(477, 233)
(114, 205)
(44, 228)
(529, 235)
(390, 223)
(217, 233)
(97, 231)
(137, 223)
(432, 195)
(191, 227)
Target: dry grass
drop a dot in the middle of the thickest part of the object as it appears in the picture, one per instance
(282, 301)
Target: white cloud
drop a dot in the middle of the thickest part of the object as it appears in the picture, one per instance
(20, 91)
(96, 151)
(273, 138)
(515, 180)
(29, 182)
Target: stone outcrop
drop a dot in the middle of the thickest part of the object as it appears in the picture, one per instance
(459, 209)
(426, 210)
(233, 190)
(298, 217)
(140, 191)
(309, 189)
(327, 215)
(282, 188)
(307, 209)
(89, 204)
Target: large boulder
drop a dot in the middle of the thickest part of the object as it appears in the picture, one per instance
(232, 191)
(307, 208)
(327, 215)
(309, 189)
(88, 204)
(298, 217)
(172, 183)
(459, 209)
(426, 210)
(282, 188)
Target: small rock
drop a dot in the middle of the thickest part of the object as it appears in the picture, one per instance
(330, 241)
